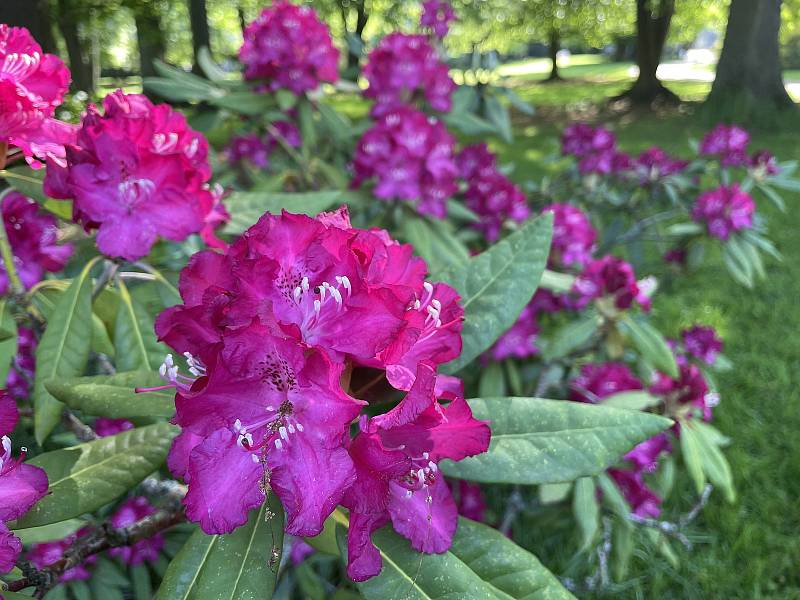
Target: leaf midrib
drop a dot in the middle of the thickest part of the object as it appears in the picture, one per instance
(128, 302)
(247, 551)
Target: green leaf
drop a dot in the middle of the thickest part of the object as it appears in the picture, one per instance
(496, 285)
(553, 493)
(571, 336)
(286, 99)
(134, 337)
(434, 241)
(550, 441)
(586, 510)
(649, 341)
(8, 343)
(114, 396)
(308, 129)
(210, 68)
(468, 123)
(692, 456)
(634, 400)
(87, 476)
(235, 566)
(63, 350)
(46, 533)
(614, 498)
(622, 543)
(492, 381)
(247, 207)
(715, 465)
(245, 102)
(482, 563)
(557, 282)
(142, 586)
(498, 115)
(338, 125)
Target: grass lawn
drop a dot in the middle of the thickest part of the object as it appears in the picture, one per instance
(750, 549)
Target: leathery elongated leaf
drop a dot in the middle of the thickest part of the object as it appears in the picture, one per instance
(497, 284)
(114, 396)
(87, 476)
(63, 350)
(242, 565)
(247, 207)
(481, 563)
(136, 346)
(538, 441)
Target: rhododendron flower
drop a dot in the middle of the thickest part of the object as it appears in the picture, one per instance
(32, 85)
(132, 510)
(299, 551)
(23, 367)
(45, 554)
(21, 485)
(476, 161)
(32, 235)
(763, 163)
(249, 147)
(396, 456)
(676, 256)
(573, 236)
(469, 499)
(405, 68)
(690, 388)
(520, 340)
(655, 163)
(437, 16)
(702, 343)
(728, 143)
(581, 140)
(410, 157)
(136, 173)
(288, 47)
(612, 278)
(597, 381)
(495, 199)
(268, 328)
(644, 456)
(643, 501)
(104, 427)
(724, 210)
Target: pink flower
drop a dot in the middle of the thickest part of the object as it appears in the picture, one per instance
(643, 501)
(581, 140)
(644, 456)
(21, 485)
(495, 199)
(520, 340)
(45, 554)
(288, 47)
(573, 236)
(690, 388)
(23, 367)
(129, 512)
(724, 210)
(702, 343)
(763, 163)
(437, 16)
(104, 427)
(32, 85)
(32, 235)
(249, 147)
(728, 143)
(655, 163)
(137, 172)
(403, 69)
(476, 162)
(609, 277)
(300, 550)
(396, 458)
(597, 381)
(676, 256)
(410, 157)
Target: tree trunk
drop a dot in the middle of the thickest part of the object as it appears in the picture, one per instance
(749, 78)
(33, 15)
(242, 18)
(149, 35)
(362, 16)
(201, 35)
(553, 48)
(80, 60)
(651, 35)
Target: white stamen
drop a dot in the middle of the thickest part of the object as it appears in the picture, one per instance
(336, 296)
(299, 427)
(432, 466)
(255, 459)
(317, 306)
(304, 284)
(283, 434)
(290, 428)
(297, 293)
(428, 287)
(409, 493)
(278, 444)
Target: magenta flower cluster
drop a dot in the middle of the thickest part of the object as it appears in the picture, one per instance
(654, 163)
(21, 485)
(490, 194)
(136, 173)
(405, 69)
(256, 149)
(45, 554)
(724, 210)
(520, 339)
(288, 47)
(702, 343)
(410, 157)
(597, 381)
(595, 148)
(32, 85)
(610, 278)
(129, 512)
(272, 330)
(727, 143)
(32, 235)
(436, 17)
(573, 236)
(23, 367)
